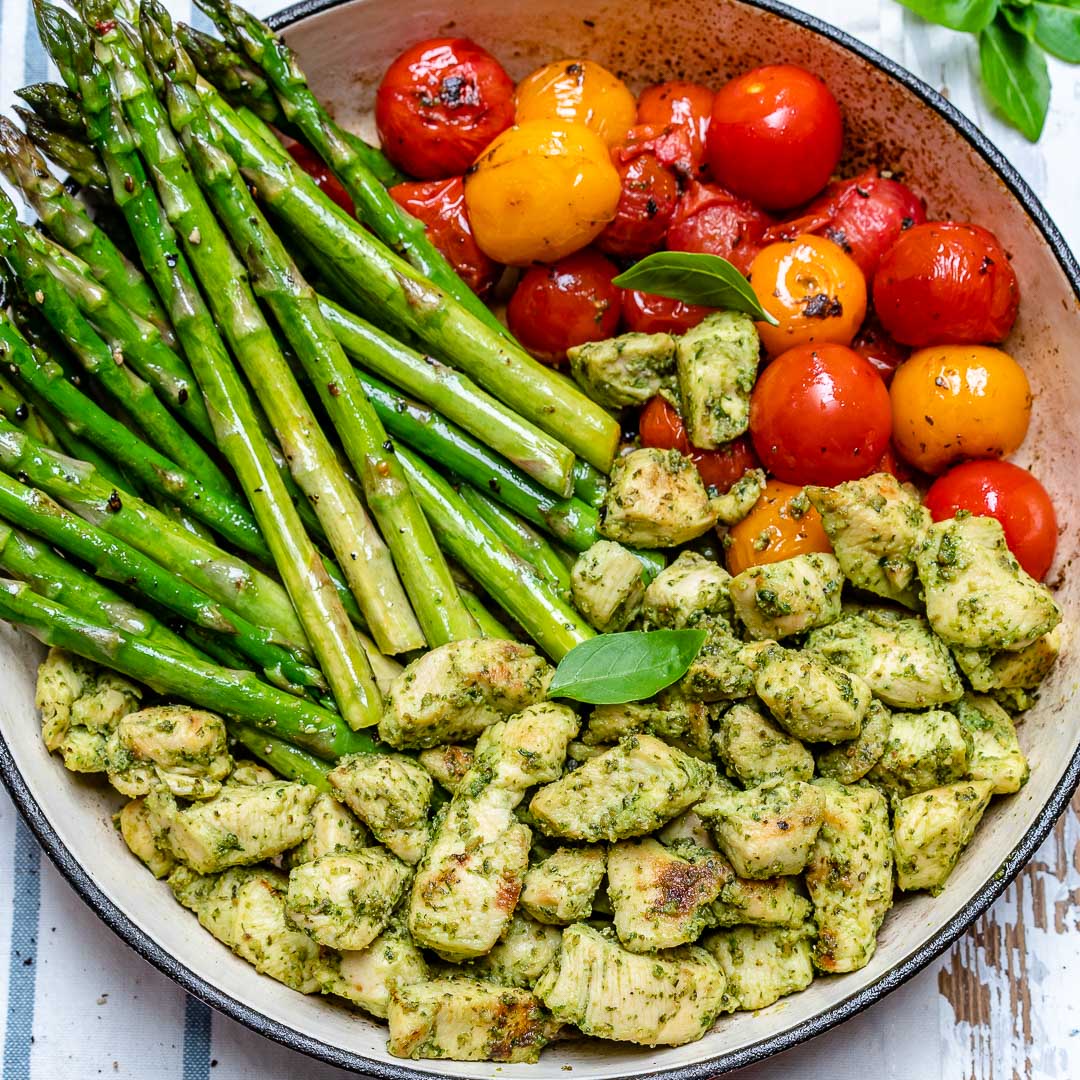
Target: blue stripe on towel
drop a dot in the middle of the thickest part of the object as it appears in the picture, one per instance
(22, 961)
(35, 61)
(196, 1060)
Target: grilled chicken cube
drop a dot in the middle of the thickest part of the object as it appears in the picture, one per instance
(630, 790)
(788, 597)
(137, 827)
(525, 949)
(850, 875)
(391, 795)
(663, 999)
(466, 1020)
(662, 896)
(453, 692)
(773, 902)
(1022, 669)
(995, 750)
(977, 596)
(850, 761)
(447, 764)
(763, 964)
(691, 589)
(754, 750)
(656, 499)
(875, 525)
(250, 774)
(924, 750)
(766, 831)
(670, 716)
(625, 370)
(932, 828)
(334, 831)
(687, 826)
(717, 363)
(898, 656)
(718, 672)
(739, 499)
(560, 889)
(607, 585)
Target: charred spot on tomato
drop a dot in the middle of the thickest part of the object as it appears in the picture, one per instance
(575, 70)
(651, 208)
(823, 306)
(906, 223)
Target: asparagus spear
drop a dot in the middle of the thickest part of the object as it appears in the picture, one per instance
(284, 758)
(20, 412)
(489, 624)
(80, 161)
(238, 695)
(229, 72)
(56, 105)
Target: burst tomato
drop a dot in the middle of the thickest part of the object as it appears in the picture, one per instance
(782, 525)
(885, 354)
(318, 170)
(711, 220)
(683, 105)
(647, 313)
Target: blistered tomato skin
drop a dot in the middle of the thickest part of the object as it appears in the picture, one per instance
(782, 525)
(951, 402)
(684, 105)
(946, 283)
(578, 91)
(711, 220)
(439, 104)
(565, 304)
(820, 415)
(318, 170)
(440, 205)
(775, 136)
(646, 313)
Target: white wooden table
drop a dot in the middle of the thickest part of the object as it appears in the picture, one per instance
(1003, 1003)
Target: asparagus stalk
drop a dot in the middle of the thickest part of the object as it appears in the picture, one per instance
(489, 624)
(284, 758)
(238, 695)
(20, 412)
(56, 105)
(80, 161)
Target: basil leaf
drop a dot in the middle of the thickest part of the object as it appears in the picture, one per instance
(1057, 28)
(1015, 77)
(612, 669)
(1021, 19)
(970, 15)
(694, 278)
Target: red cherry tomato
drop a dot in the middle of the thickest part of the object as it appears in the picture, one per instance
(661, 426)
(566, 303)
(892, 463)
(885, 354)
(946, 283)
(820, 414)
(711, 220)
(439, 104)
(647, 313)
(775, 135)
(440, 205)
(1004, 491)
(317, 169)
(684, 105)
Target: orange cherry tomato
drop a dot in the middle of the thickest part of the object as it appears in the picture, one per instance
(951, 402)
(782, 525)
(815, 291)
(579, 92)
(685, 105)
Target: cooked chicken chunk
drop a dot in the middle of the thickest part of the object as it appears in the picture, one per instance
(334, 831)
(1010, 670)
(452, 693)
(995, 750)
(137, 827)
(924, 750)
(607, 585)
(763, 964)
(849, 762)
(629, 790)
(687, 826)
(525, 949)
(656, 499)
(739, 499)
(448, 764)
(977, 596)
(688, 591)
(932, 828)
(560, 889)
(754, 750)
(718, 672)
(625, 370)
(774, 902)
(850, 875)
(250, 774)
(671, 717)
(788, 597)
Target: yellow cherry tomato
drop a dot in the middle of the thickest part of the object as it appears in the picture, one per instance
(782, 525)
(813, 288)
(540, 191)
(578, 91)
(951, 402)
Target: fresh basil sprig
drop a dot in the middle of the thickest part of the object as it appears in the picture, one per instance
(694, 278)
(612, 669)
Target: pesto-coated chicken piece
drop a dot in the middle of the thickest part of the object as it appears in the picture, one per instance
(670, 716)
(335, 830)
(766, 831)
(471, 875)
(453, 692)
(850, 761)
(763, 964)
(774, 902)
(1011, 669)
(924, 750)
(391, 795)
(754, 750)
(137, 827)
(875, 525)
(691, 590)
(718, 672)
(932, 828)
(630, 790)
(448, 764)
(250, 774)
(898, 656)
(995, 750)
(560, 890)
(977, 595)
(788, 597)
(662, 999)
(717, 363)
(625, 370)
(466, 1020)
(656, 499)
(80, 706)
(687, 826)
(661, 896)
(739, 499)
(607, 586)
(522, 953)
(850, 875)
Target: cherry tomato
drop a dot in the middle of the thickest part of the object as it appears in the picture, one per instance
(440, 205)
(647, 313)
(565, 304)
(885, 354)
(661, 426)
(782, 525)
(540, 191)
(1004, 491)
(685, 105)
(946, 283)
(775, 135)
(711, 220)
(820, 415)
(317, 169)
(816, 292)
(649, 194)
(439, 104)
(578, 92)
(865, 216)
(958, 401)
(892, 463)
